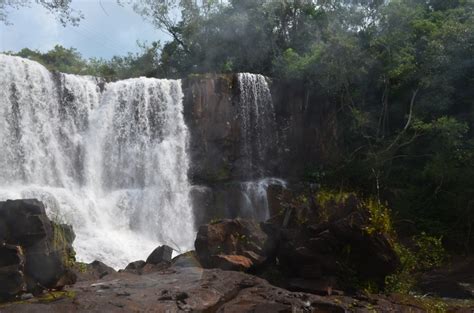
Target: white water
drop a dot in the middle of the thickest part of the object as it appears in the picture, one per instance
(259, 142)
(113, 163)
(255, 202)
(258, 123)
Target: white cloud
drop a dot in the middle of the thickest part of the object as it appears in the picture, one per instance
(108, 29)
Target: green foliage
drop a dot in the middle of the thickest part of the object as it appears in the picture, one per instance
(69, 60)
(427, 252)
(380, 219)
(61, 9)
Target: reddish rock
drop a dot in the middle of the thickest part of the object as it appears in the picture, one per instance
(233, 238)
(197, 290)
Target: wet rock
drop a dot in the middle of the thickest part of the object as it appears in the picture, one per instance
(188, 259)
(199, 290)
(94, 270)
(135, 265)
(160, 254)
(11, 271)
(240, 242)
(47, 247)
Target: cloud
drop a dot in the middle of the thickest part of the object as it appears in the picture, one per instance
(108, 29)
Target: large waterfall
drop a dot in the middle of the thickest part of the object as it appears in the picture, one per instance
(111, 160)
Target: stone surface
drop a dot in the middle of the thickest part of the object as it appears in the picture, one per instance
(218, 244)
(12, 280)
(188, 259)
(94, 270)
(197, 290)
(46, 247)
(335, 248)
(159, 255)
(454, 280)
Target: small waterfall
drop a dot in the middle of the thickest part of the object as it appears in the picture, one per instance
(255, 202)
(258, 125)
(113, 163)
(259, 143)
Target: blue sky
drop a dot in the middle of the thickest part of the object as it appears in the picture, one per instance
(107, 30)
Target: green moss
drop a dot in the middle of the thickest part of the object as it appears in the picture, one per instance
(47, 297)
(62, 244)
(55, 296)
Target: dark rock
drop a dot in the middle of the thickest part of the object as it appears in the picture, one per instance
(94, 270)
(135, 265)
(47, 247)
(372, 255)
(333, 241)
(219, 243)
(160, 254)
(188, 259)
(11, 271)
(454, 280)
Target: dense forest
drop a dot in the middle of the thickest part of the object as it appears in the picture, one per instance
(399, 74)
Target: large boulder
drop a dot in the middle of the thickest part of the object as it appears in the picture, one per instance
(46, 246)
(318, 248)
(233, 245)
(331, 244)
(159, 255)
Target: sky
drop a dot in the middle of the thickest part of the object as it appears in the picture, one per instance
(106, 30)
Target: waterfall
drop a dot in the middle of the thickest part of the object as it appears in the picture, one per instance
(258, 125)
(111, 161)
(259, 143)
(254, 201)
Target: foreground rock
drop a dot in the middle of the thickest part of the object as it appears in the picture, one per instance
(192, 289)
(455, 280)
(158, 260)
(233, 245)
(35, 253)
(315, 249)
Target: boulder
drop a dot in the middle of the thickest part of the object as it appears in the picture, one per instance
(91, 271)
(135, 265)
(188, 259)
(11, 271)
(233, 244)
(159, 255)
(454, 280)
(46, 246)
(337, 246)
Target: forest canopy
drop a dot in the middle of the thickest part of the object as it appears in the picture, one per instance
(399, 73)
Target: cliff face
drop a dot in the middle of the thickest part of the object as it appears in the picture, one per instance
(307, 130)
(212, 118)
(305, 136)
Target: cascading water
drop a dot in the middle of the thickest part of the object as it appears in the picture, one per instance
(254, 202)
(258, 125)
(259, 142)
(113, 163)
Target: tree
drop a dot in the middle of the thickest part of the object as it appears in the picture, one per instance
(60, 8)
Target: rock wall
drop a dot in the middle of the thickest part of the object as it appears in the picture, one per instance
(307, 137)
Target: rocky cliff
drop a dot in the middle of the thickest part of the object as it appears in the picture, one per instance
(300, 137)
